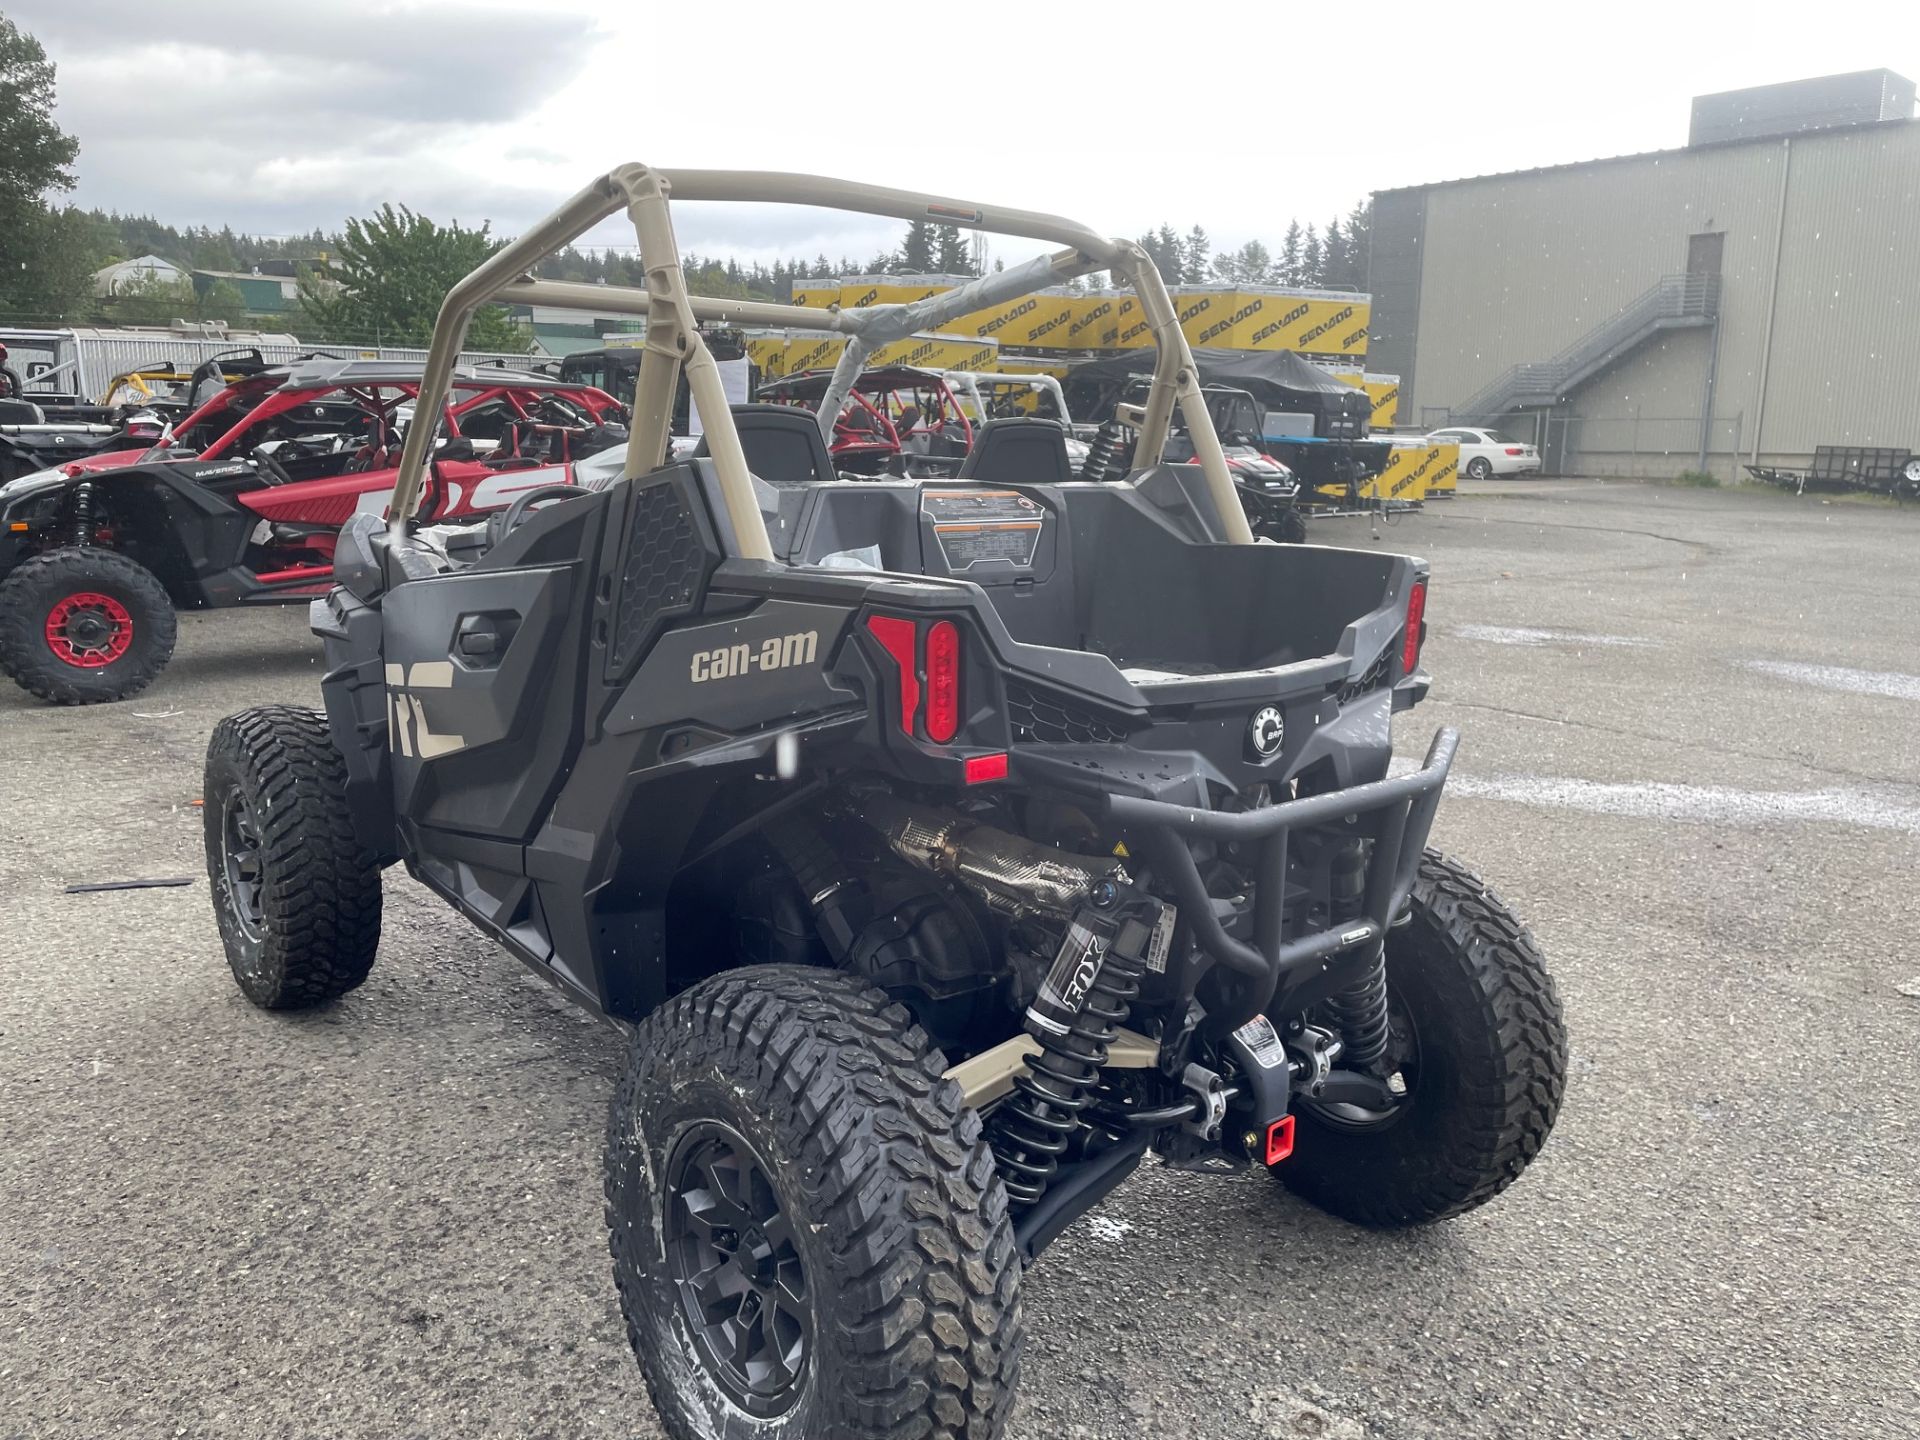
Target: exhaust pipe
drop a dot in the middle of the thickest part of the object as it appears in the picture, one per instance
(1012, 874)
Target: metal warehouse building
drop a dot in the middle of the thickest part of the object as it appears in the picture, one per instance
(1746, 298)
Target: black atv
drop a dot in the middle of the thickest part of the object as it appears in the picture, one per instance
(937, 889)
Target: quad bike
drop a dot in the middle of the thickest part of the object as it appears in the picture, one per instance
(239, 502)
(935, 896)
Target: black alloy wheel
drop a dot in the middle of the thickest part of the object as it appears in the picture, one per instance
(731, 1254)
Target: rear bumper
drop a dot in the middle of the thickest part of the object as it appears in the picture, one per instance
(1396, 814)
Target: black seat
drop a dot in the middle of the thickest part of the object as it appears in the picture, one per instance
(782, 443)
(1021, 451)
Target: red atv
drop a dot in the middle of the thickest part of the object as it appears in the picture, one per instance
(241, 504)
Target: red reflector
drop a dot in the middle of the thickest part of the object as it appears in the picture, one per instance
(1416, 615)
(1279, 1140)
(943, 681)
(981, 768)
(899, 638)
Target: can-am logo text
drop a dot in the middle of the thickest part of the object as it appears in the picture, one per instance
(730, 662)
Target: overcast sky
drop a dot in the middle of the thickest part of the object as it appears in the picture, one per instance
(276, 118)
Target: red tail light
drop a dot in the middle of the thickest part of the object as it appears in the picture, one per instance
(1416, 618)
(943, 681)
(899, 638)
(1516, 449)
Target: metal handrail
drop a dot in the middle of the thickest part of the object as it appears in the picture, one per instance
(1672, 297)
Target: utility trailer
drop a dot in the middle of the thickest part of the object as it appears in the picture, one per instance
(1882, 470)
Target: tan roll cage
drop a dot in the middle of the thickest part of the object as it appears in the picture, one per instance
(673, 342)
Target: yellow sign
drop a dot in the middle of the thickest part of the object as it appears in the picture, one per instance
(1307, 322)
(1411, 474)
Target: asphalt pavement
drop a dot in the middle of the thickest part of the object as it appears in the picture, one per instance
(1691, 761)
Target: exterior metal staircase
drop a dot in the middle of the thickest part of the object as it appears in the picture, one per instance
(1676, 302)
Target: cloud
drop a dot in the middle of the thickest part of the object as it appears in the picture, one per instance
(267, 117)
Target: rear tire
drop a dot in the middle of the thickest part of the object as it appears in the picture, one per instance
(860, 1231)
(1480, 468)
(296, 896)
(1491, 1049)
(82, 626)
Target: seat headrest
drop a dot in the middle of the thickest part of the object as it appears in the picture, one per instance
(1021, 451)
(783, 444)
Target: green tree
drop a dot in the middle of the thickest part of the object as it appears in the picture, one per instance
(50, 259)
(1360, 243)
(49, 253)
(954, 256)
(1287, 269)
(150, 301)
(1333, 254)
(388, 275)
(1310, 257)
(1196, 255)
(35, 154)
(917, 250)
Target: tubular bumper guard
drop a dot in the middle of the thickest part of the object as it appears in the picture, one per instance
(1395, 814)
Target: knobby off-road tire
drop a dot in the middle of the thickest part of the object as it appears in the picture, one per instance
(866, 1191)
(1491, 1066)
(82, 625)
(297, 898)
(1292, 529)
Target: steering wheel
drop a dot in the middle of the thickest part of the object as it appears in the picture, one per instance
(275, 473)
(503, 523)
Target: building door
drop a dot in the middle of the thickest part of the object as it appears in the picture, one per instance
(1703, 253)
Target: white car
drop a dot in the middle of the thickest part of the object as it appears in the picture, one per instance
(1484, 453)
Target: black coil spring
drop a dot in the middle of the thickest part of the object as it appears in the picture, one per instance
(1106, 456)
(1361, 1013)
(1030, 1130)
(82, 515)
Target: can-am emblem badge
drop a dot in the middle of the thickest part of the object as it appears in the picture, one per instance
(1266, 731)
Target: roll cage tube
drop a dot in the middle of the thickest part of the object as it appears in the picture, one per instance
(673, 343)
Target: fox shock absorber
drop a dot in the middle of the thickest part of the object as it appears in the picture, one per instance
(82, 515)
(1082, 1002)
(1360, 1010)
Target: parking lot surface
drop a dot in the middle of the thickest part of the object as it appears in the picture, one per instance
(1691, 760)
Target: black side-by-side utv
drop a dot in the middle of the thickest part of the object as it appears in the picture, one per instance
(947, 846)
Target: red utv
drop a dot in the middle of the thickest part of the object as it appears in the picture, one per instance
(898, 421)
(241, 502)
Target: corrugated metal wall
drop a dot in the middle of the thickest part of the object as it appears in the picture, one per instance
(1515, 268)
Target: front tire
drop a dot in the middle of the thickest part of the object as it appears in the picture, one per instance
(1480, 468)
(81, 626)
(1292, 529)
(1486, 1067)
(809, 1237)
(296, 896)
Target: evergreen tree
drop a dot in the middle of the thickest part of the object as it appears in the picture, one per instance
(917, 250)
(1310, 257)
(1360, 243)
(1333, 254)
(1292, 257)
(1196, 256)
(955, 255)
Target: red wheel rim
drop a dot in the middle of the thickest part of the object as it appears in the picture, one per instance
(88, 630)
